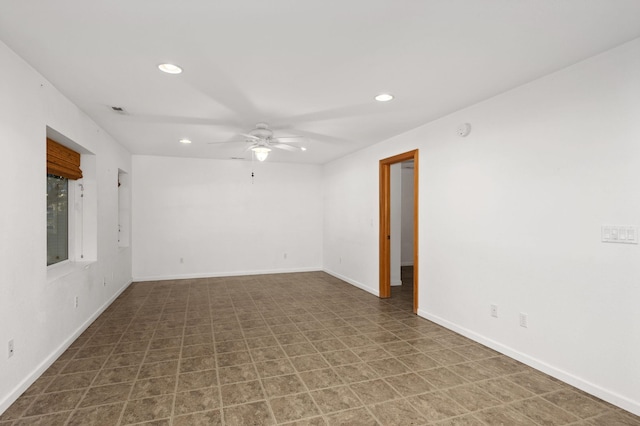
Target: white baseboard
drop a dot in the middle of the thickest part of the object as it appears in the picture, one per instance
(47, 362)
(375, 292)
(222, 274)
(591, 388)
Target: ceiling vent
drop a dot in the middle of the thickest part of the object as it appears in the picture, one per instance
(119, 110)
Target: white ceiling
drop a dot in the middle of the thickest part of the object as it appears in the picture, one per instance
(308, 68)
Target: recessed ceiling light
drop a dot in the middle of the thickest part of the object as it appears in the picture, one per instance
(303, 148)
(170, 68)
(185, 141)
(384, 97)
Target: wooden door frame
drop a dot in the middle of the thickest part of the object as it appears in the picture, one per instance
(385, 223)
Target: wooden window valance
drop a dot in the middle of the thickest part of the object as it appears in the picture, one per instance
(62, 161)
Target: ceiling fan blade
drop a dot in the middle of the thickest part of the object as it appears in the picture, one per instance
(290, 139)
(285, 147)
(222, 143)
(323, 137)
(250, 136)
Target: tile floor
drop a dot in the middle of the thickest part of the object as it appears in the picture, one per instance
(303, 349)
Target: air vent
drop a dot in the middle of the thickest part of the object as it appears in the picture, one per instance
(118, 109)
(237, 158)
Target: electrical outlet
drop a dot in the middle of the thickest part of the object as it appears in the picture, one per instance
(523, 320)
(76, 301)
(494, 311)
(11, 348)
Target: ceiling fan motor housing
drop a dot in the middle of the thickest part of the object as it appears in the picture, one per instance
(262, 131)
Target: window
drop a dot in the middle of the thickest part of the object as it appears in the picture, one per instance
(63, 164)
(57, 219)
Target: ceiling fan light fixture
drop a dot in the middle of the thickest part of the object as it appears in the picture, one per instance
(170, 68)
(384, 97)
(261, 152)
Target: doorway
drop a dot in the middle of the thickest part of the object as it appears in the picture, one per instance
(385, 223)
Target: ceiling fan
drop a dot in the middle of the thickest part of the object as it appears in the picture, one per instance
(263, 141)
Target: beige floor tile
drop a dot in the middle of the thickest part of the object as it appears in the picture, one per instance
(471, 397)
(409, 384)
(436, 406)
(504, 390)
(576, 403)
(197, 364)
(237, 373)
(206, 418)
(442, 378)
(329, 345)
(615, 418)
(148, 409)
(256, 413)
(152, 387)
(293, 407)
(543, 412)
(71, 381)
(229, 359)
(388, 367)
(203, 349)
(106, 394)
(158, 369)
(283, 385)
(39, 385)
(53, 402)
(55, 419)
(341, 357)
(374, 391)
(197, 400)
(466, 420)
(116, 375)
(397, 413)
(197, 380)
(309, 362)
(334, 399)
(471, 371)
(267, 353)
(276, 367)
(535, 382)
(371, 353)
(312, 421)
(17, 409)
(96, 416)
(502, 416)
(299, 349)
(305, 347)
(318, 379)
(241, 393)
(356, 417)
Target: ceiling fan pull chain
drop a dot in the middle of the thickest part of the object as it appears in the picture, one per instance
(252, 157)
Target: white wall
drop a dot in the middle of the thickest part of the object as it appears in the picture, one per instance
(36, 307)
(406, 257)
(395, 223)
(210, 215)
(511, 215)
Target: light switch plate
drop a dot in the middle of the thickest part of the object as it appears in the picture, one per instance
(622, 234)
